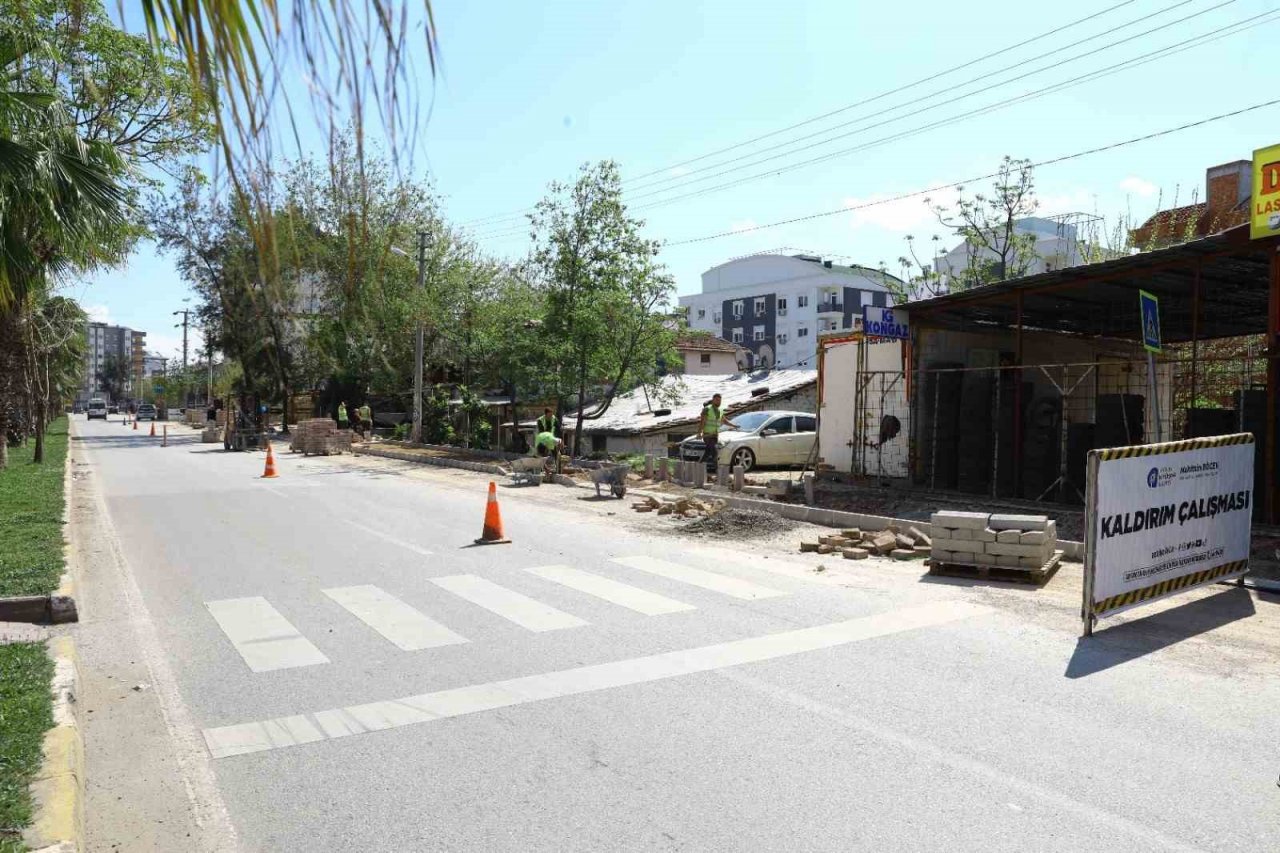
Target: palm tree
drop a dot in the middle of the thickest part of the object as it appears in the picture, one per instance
(61, 208)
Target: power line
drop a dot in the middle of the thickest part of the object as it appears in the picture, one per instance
(953, 185)
(853, 105)
(952, 88)
(1160, 53)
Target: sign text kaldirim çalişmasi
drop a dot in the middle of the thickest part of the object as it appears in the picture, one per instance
(1165, 514)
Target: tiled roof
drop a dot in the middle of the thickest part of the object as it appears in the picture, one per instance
(705, 343)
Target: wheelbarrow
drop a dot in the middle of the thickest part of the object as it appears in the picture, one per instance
(613, 476)
(528, 470)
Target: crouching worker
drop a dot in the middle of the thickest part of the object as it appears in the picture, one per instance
(547, 446)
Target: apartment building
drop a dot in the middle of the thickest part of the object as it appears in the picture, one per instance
(103, 342)
(776, 305)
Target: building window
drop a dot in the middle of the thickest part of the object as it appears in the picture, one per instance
(705, 358)
(737, 309)
(802, 332)
(782, 303)
(702, 312)
(782, 340)
(737, 335)
(867, 298)
(802, 301)
(759, 306)
(757, 334)
(716, 318)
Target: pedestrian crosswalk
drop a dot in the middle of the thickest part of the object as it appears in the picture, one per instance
(267, 640)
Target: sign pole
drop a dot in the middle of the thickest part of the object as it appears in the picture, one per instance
(1155, 395)
(1149, 317)
(1090, 541)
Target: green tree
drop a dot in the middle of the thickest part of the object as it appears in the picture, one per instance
(603, 285)
(114, 377)
(995, 250)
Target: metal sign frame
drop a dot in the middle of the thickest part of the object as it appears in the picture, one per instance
(1090, 613)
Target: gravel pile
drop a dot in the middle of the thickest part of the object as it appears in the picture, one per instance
(732, 523)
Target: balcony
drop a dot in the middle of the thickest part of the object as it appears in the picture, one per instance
(831, 307)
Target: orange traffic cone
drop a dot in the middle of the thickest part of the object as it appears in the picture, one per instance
(492, 534)
(153, 429)
(270, 470)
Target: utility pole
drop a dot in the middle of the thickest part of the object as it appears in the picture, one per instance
(184, 312)
(416, 435)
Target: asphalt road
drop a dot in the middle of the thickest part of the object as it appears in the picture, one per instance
(335, 667)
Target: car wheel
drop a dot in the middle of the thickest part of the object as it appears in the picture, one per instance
(743, 458)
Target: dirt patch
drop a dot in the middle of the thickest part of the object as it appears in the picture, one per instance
(732, 523)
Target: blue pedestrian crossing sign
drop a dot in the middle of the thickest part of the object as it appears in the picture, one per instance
(1150, 321)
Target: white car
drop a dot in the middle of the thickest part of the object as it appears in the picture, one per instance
(761, 439)
(97, 409)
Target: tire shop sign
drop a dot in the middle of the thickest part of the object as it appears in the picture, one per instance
(1164, 518)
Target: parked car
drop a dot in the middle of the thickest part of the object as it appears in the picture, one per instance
(762, 438)
(96, 409)
(146, 412)
(113, 408)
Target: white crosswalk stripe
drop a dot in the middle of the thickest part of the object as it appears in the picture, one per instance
(713, 581)
(264, 638)
(392, 618)
(624, 595)
(509, 604)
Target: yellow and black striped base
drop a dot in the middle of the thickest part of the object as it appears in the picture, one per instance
(1109, 453)
(1137, 596)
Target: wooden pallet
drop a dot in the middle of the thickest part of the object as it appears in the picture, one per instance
(1034, 577)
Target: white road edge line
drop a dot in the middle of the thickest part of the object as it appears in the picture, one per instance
(217, 832)
(387, 537)
(244, 738)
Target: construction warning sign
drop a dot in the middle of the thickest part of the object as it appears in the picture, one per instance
(1264, 209)
(1162, 518)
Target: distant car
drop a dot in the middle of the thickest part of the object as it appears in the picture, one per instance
(762, 438)
(96, 409)
(113, 408)
(146, 412)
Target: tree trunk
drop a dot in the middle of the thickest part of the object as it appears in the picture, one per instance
(582, 402)
(4, 435)
(41, 425)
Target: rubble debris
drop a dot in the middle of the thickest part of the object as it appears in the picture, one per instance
(903, 554)
(728, 523)
(856, 553)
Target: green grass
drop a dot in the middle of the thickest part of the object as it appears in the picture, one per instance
(31, 502)
(26, 712)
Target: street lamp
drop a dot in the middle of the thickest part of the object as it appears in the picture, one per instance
(415, 435)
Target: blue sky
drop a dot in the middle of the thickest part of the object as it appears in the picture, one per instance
(528, 91)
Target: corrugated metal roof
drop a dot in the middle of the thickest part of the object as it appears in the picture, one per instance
(630, 413)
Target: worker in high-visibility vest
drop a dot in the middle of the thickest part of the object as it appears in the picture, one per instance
(709, 430)
(366, 420)
(547, 423)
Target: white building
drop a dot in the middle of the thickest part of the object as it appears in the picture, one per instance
(775, 306)
(103, 342)
(1058, 245)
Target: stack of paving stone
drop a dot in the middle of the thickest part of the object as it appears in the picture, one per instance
(320, 436)
(1006, 541)
(856, 544)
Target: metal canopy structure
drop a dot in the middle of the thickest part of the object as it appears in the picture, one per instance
(1225, 285)
(1226, 274)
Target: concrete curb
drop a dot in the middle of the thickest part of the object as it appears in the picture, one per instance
(405, 456)
(58, 789)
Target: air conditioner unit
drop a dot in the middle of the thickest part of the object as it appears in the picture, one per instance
(782, 312)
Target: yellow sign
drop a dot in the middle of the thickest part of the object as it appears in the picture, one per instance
(1264, 209)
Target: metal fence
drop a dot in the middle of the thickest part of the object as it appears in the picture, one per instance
(1025, 432)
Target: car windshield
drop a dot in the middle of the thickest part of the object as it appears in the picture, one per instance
(751, 421)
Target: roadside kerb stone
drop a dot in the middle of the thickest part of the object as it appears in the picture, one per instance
(58, 788)
(1018, 522)
(955, 520)
(440, 462)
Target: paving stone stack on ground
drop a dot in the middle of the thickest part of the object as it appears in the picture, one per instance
(854, 544)
(1003, 541)
(320, 436)
(682, 507)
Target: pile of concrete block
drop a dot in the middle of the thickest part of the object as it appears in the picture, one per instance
(320, 436)
(680, 507)
(855, 544)
(1006, 541)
